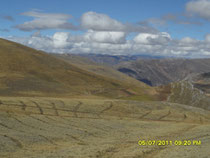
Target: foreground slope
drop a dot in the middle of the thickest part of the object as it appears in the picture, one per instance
(79, 128)
(25, 71)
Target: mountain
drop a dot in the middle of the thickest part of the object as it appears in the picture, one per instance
(100, 69)
(193, 90)
(202, 82)
(157, 72)
(111, 60)
(184, 92)
(69, 106)
(29, 72)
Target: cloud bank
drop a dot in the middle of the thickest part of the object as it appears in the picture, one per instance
(101, 34)
(116, 43)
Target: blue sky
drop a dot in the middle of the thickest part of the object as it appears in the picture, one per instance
(133, 20)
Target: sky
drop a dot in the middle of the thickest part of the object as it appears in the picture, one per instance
(178, 28)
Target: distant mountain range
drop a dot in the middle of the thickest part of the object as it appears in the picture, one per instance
(151, 70)
(115, 59)
(157, 72)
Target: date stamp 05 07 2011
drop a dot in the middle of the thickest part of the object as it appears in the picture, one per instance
(169, 142)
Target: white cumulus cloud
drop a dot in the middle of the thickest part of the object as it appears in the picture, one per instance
(100, 22)
(105, 36)
(146, 38)
(60, 39)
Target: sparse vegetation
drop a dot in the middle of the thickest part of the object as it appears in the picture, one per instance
(28, 72)
(51, 108)
(185, 93)
(46, 127)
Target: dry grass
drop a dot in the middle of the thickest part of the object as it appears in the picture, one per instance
(28, 72)
(76, 120)
(98, 128)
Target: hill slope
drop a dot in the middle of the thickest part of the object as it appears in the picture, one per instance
(100, 69)
(157, 72)
(202, 82)
(65, 128)
(28, 72)
(184, 92)
(194, 90)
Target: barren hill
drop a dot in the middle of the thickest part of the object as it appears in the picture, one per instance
(27, 72)
(91, 122)
(194, 90)
(202, 82)
(157, 72)
(105, 70)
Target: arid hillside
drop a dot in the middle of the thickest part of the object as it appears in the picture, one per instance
(153, 71)
(202, 82)
(57, 107)
(93, 128)
(157, 72)
(27, 72)
(100, 69)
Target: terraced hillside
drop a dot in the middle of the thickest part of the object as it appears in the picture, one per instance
(78, 128)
